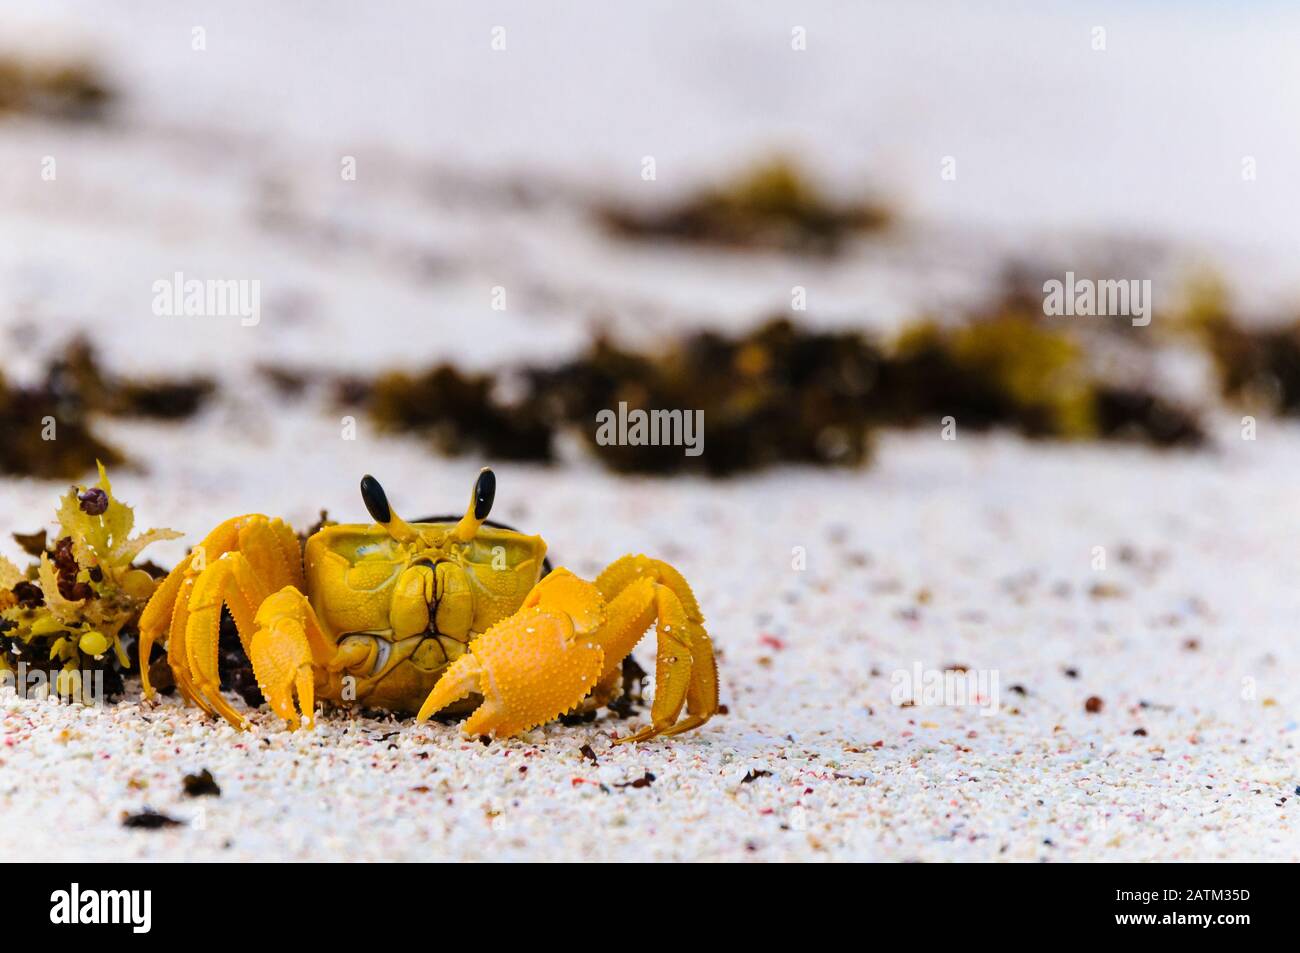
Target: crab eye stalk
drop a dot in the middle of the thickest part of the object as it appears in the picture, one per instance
(485, 491)
(480, 505)
(376, 500)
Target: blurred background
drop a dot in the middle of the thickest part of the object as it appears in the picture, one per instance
(495, 189)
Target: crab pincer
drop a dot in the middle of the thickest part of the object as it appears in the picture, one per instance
(533, 666)
(568, 639)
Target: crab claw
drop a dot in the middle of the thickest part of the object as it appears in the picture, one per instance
(532, 666)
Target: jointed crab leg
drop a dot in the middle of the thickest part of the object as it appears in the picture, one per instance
(252, 565)
(231, 580)
(160, 615)
(175, 648)
(685, 668)
(173, 594)
(286, 641)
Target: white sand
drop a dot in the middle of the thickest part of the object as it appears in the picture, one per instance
(999, 533)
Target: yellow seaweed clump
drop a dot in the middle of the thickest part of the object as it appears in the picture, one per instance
(69, 611)
(1008, 370)
(1005, 369)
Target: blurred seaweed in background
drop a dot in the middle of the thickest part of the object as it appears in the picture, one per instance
(774, 206)
(459, 412)
(47, 433)
(776, 395)
(47, 430)
(1009, 370)
(52, 89)
(1258, 368)
(781, 394)
(78, 371)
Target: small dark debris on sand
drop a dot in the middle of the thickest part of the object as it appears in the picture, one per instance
(201, 784)
(644, 781)
(149, 820)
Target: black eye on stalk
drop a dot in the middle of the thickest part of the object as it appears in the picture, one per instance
(376, 499)
(485, 491)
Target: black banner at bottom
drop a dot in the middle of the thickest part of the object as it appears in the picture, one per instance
(344, 903)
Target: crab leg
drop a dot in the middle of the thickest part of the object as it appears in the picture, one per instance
(172, 594)
(160, 614)
(686, 671)
(286, 641)
(232, 580)
(241, 579)
(176, 656)
(240, 564)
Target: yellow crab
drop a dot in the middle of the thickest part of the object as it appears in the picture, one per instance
(419, 616)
